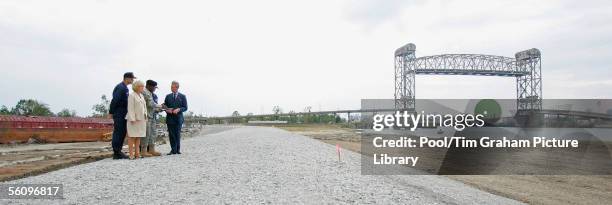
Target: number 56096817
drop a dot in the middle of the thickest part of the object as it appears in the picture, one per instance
(33, 191)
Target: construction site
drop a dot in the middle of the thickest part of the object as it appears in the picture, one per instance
(277, 157)
(305, 102)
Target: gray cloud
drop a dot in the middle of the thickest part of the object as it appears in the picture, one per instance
(372, 13)
(290, 54)
(55, 67)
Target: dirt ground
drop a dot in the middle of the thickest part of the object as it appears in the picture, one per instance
(532, 189)
(24, 160)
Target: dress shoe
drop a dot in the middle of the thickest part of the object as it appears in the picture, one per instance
(123, 155)
(170, 153)
(178, 152)
(119, 156)
(152, 151)
(146, 154)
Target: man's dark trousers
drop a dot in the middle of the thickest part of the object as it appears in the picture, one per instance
(174, 133)
(119, 132)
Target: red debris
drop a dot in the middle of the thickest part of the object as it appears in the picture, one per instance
(20, 129)
(13, 121)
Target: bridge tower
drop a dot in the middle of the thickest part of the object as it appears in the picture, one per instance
(529, 86)
(404, 77)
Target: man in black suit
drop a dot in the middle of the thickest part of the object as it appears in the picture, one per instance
(176, 104)
(117, 111)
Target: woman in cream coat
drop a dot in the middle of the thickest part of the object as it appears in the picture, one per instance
(137, 119)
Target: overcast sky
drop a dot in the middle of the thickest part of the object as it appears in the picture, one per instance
(328, 54)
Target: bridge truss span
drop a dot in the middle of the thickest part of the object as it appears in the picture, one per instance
(467, 64)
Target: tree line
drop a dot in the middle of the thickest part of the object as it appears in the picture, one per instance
(292, 117)
(32, 107)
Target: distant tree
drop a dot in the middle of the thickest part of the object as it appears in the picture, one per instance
(292, 116)
(277, 110)
(5, 111)
(235, 113)
(101, 109)
(31, 107)
(66, 113)
(307, 118)
(248, 118)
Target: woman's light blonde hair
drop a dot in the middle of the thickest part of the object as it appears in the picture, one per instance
(137, 84)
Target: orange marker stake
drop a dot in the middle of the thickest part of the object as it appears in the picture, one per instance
(338, 151)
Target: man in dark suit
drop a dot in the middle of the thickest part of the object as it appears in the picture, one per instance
(117, 111)
(176, 104)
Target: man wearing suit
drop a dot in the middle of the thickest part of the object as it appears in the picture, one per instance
(176, 104)
(117, 111)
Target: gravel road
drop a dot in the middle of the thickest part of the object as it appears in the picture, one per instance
(250, 165)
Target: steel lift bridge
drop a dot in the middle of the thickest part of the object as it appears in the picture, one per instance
(526, 67)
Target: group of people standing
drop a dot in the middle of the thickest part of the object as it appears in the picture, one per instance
(135, 113)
